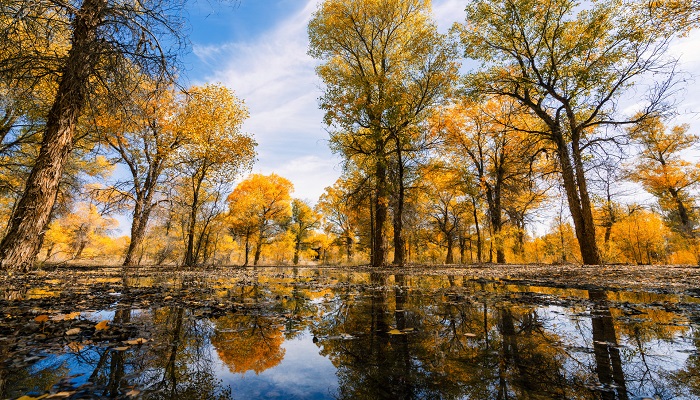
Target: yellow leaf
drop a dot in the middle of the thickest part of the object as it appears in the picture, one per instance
(395, 332)
(42, 318)
(103, 325)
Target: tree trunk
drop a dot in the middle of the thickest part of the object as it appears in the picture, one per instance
(493, 197)
(686, 226)
(190, 259)
(399, 256)
(348, 247)
(23, 239)
(247, 248)
(478, 233)
(578, 199)
(380, 205)
(297, 247)
(258, 250)
(449, 259)
(139, 223)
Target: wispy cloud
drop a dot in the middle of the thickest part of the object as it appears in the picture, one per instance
(276, 78)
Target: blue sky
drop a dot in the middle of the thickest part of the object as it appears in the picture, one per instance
(258, 49)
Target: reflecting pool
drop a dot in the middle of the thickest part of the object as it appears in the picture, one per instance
(324, 333)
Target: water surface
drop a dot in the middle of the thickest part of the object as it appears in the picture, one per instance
(308, 333)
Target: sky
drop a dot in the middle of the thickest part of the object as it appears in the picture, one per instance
(258, 48)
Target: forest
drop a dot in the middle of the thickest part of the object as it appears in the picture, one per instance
(532, 132)
(516, 214)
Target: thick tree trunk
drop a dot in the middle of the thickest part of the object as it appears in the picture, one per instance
(686, 226)
(139, 223)
(23, 239)
(449, 259)
(297, 247)
(348, 247)
(380, 205)
(578, 200)
(258, 250)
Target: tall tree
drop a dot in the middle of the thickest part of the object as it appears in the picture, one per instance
(140, 130)
(105, 37)
(569, 65)
(339, 214)
(385, 67)
(486, 138)
(304, 219)
(216, 149)
(262, 205)
(662, 171)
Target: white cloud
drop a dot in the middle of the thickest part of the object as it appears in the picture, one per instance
(447, 12)
(276, 78)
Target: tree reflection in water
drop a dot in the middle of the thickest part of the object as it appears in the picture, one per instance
(394, 336)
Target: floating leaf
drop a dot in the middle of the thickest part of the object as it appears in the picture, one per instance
(121, 348)
(73, 331)
(395, 332)
(42, 318)
(470, 335)
(103, 325)
(132, 393)
(65, 317)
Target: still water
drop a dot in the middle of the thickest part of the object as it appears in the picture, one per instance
(283, 333)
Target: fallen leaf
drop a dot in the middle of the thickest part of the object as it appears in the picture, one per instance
(470, 335)
(121, 348)
(73, 331)
(132, 393)
(101, 326)
(25, 397)
(136, 341)
(59, 395)
(42, 318)
(395, 332)
(76, 347)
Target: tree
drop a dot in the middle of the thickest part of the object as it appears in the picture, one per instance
(140, 130)
(339, 214)
(569, 66)
(385, 68)
(105, 37)
(664, 174)
(304, 219)
(258, 207)
(214, 153)
(446, 206)
(487, 138)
